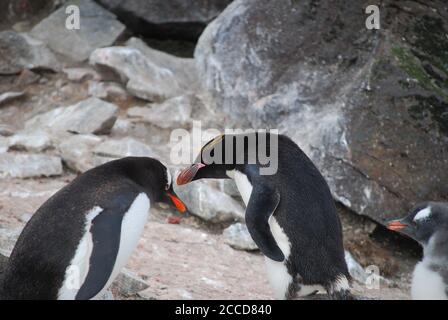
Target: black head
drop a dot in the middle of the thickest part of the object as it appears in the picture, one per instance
(229, 152)
(155, 179)
(423, 221)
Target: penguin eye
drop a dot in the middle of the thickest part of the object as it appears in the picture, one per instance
(167, 187)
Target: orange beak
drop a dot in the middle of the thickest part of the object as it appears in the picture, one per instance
(188, 174)
(396, 225)
(177, 203)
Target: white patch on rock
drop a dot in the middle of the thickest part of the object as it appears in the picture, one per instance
(212, 283)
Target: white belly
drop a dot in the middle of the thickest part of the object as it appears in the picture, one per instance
(131, 229)
(77, 271)
(242, 183)
(277, 272)
(427, 284)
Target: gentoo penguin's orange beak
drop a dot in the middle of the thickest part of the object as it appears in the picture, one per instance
(396, 225)
(188, 174)
(177, 202)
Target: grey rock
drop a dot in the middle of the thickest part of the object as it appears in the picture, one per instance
(108, 295)
(238, 237)
(4, 144)
(34, 141)
(356, 270)
(147, 73)
(98, 28)
(209, 203)
(128, 283)
(28, 77)
(19, 51)
(175, 19)
(77, 151)
(81, 74)
(8, 238)
(88, 116)
(29, 165)
(184, 69)
(173, 113)
(107, 90)
(350, 100)
(6, 130)
(124, 147)
(9, 96)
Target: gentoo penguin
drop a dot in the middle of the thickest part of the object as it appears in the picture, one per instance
(290, 214)
(77, 241)
(427, 223)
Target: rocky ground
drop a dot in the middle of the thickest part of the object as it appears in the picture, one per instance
(71, 100)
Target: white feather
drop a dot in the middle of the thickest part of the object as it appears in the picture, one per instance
(242, 183)
(427, 284)
(169, 179)
(278, 275)
(131, 229)
(77, 271)
(423, 214)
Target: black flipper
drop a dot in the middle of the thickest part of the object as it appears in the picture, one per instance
(262, 204)
(106, 232)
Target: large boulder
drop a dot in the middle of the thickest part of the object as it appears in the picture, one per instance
(147, 73)
(370, 107)
(88, 116)
(19, 51)
(29, 165)
(175, 19)
(98, 28)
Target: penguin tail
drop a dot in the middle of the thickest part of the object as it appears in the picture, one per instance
(339, 288)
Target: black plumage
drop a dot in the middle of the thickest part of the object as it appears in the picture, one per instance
(47, 244)
(301, 202)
